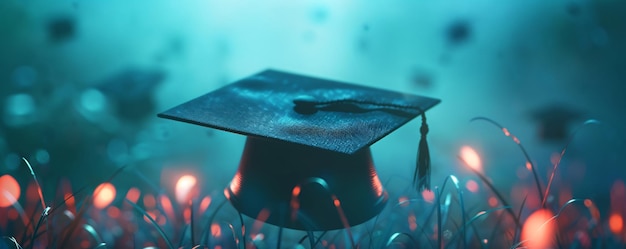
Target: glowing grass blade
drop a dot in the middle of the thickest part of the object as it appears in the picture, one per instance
(101, 246)
(44, 217)
(75, 223)
(395, 236)
(207, 229)
(518, 231)
(13, 241)
(243, 229)
(25, 220)
(92, 232)
(476, 217)
(459, 191)
(153, 222)
(32, 172)
(558, 161)
(500, 197)
(519, 144)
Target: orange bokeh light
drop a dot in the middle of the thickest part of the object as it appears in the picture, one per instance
(9, 191)
(216, 230)
(296, 191)
(538, 230)
(149, 202)
(471, 158)
(472, 186)
(429, 196)
(133, 195)
(184, 188)
(204, 204)
(103, 195)
(616, 224)
(493, 201)
(113, 212)
(412, 222)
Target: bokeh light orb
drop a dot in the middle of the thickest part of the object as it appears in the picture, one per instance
(9, 191)
(104, 195)
(184, 188)
(20, 104)
(471, 158)
(538, 230)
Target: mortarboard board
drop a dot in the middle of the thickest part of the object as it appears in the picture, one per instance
(304, 130)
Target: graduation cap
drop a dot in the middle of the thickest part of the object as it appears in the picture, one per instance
(306, 163)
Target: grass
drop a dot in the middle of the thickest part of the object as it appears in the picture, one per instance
(445, 218)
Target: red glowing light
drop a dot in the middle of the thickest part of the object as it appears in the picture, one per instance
(493, 201)
(187, 215)
(113, 212)
(167, 206)
(263, 215)
(337, 203)
(204, 204)
(472, 186)
(616, 224)
(133, 194)
(161, 220)
(69, 200)
(428, 196)
(9, 191)
(529, 166)
(296, 191)
(184, 188)
(412, 222)
(13, 214)
(149, 202)
(588, 203)
(538, 230)
(152, 215)
(216, 230)
(103, 195)
(618, 197)
(32, 192)
(506, 132)
(516, 140)
(85, 244)
(471, 158)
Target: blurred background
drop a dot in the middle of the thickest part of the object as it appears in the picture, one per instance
(83, 80)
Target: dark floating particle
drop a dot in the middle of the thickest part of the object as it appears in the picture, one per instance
(458, 32)
(573, 9)
(132, 91)
(422, 79)
(61, 28)
(319, 14)
(554, 121)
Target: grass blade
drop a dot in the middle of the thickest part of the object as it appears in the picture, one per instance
(32, 172)
(519, 144)
(13, 241)
(395, 236)
(500, 197)
(153, 222)
(558, 161)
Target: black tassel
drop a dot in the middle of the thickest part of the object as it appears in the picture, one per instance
(421, 177)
